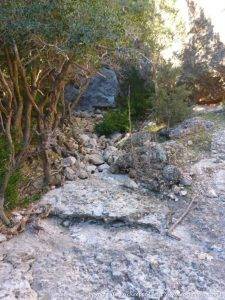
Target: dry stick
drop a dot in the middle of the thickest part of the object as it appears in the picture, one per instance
(171, 229)
(130, 128)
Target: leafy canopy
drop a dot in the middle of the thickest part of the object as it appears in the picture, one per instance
(69, 25)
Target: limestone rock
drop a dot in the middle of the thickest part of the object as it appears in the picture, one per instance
(96, 159)
(91, 169)
(171, 174)
(101, 92)
(103, 168)
(2, 238)
(83, 174)
(84, 139)
(69, 173)
(130, 184)
(69, 161)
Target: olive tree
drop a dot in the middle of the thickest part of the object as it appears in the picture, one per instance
(39, 41)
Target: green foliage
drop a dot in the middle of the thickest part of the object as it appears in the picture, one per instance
(63, 26)
(171, 102)
(138, 91)
(12, 194)
(135, 94)
(172, 108)
(114, 121)
(203, 59)
(30, 199)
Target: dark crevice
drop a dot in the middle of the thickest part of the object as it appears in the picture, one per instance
(106, 222)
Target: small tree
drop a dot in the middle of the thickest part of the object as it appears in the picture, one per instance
(203, 58)
(171, 105)
(39, 40)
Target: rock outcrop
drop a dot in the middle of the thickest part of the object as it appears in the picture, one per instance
(107, 236)
(149, 162)
(100, 93)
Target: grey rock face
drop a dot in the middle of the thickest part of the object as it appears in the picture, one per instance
(105, 239)
(71, 92)
(101, 92)
(146, 162)
(89, 199)
(103, 168)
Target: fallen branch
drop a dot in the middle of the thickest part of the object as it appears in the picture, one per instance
(171, 229)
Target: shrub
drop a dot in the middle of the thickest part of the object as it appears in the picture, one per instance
(138, 90)
(114, 121)
(30, 199)
(172, 108)
(12, 193)
(171, 101)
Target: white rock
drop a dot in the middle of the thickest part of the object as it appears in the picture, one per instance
(212, 193)
(2, 238)
(176, 190)
(205, 256)
(17, 217)
(69, 161)
(84, 139)
(186, 180)
(103, 168)
(129, 183)
(91, 169)
(96, 159)
(173, 197)
(183, 193)
(115, 137)
(69, 173)
(92, 143)
(83, 174)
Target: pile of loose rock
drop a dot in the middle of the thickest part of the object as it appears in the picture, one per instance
(80, 153)
(158, 166)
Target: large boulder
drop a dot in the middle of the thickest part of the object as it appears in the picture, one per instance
(101, 92)
(71, 92)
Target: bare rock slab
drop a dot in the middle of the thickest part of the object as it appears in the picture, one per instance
(104, 198)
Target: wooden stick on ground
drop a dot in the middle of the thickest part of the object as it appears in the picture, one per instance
(171, 229)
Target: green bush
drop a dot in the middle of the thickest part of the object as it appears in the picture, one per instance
(171, 102)
(12, 194)
(172, 108)
(114, 121)
(139, 92)
(30, 199)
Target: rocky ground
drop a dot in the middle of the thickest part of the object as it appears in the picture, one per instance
(106, 236)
